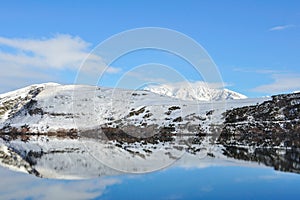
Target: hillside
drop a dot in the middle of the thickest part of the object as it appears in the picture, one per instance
(53, 109)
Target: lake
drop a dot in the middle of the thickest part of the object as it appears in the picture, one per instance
(86, 168)
(216, 182)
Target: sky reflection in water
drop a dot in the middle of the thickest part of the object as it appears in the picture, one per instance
(230, 182)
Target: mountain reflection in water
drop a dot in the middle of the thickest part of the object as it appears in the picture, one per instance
(184, 168)
(69, 158)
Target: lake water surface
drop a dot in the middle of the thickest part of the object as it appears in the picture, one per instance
(87, 168)
(217, 182)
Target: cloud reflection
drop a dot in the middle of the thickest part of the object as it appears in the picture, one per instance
(23, 186)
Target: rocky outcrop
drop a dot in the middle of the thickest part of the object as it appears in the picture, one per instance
(271, 123)
(267, 133)
(282, 159)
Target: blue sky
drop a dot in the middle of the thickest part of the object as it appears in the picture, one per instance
(255, 44)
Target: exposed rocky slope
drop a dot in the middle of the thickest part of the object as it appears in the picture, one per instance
(268, 133)
(275, 122)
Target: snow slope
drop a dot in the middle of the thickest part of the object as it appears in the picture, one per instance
(12, 102)
(51, 107)
(194, 91)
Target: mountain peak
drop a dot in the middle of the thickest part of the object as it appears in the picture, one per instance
(200, 91)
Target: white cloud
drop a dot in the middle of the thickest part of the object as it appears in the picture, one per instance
(60, 51)
(155, 73)
(151, 76)
(143, 76)
(280, 28)
(206, 188)
(259, 71)
(41, 60)
(281, 83)
(283, 80)
(196, 84)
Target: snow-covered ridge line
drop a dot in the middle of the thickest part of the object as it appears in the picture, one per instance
(12, 102)
(194, 91)
(27, 88)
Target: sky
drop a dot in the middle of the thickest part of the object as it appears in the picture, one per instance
(255, 45)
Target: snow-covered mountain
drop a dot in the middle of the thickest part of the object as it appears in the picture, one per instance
(54, 108)
(194, 91)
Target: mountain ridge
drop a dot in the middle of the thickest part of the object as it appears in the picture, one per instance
(51, 107)
(196, 91)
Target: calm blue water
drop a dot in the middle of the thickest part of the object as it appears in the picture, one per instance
(173, 183)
